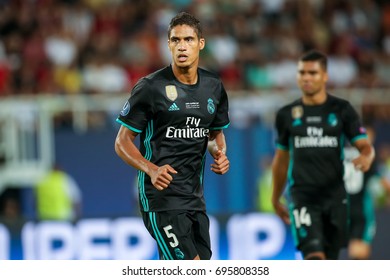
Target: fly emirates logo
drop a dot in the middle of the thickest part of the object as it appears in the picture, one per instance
(315, 138)
(191, 130)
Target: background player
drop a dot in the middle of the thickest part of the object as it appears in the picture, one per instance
(179, 111)
(310, 135)
(361, 200)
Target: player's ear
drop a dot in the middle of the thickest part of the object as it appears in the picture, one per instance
(202, 43)
(326, 77)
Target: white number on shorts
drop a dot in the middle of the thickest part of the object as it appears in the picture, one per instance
(301, 217)
(171, 235)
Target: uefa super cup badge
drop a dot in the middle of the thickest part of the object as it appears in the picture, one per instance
(125, 109)
(171, 92)
(297, 112)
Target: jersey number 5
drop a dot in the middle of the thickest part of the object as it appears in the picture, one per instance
(301, 217)
(174, 242)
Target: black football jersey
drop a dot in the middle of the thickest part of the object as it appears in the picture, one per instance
(315, 138)
(174, 121)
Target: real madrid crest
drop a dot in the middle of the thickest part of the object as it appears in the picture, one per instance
(210, 106)
(171, 92)
(332, 119)
(297, 112)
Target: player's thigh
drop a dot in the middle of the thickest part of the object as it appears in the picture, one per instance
(202, 235)
(357, 222)
(336, 230)
(307, 227)
(363, 220)
(173, 233)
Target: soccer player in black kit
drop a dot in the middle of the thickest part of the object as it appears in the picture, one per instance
(180, 112)
(310, 139)
(362, 220)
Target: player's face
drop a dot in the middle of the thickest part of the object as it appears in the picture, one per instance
(185, 46)
(311, 77)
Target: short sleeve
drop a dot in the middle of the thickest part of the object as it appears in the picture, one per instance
(137, 110)
(282, 131)
(221, 120)
(353, 128)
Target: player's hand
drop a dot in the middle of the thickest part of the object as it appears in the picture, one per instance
(282, 212)
(362, 163)
(221, 163)
(161, 177)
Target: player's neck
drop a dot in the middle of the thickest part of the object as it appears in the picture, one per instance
(186, 75)
(315, 99)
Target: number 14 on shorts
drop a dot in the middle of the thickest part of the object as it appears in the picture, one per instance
(301, 217)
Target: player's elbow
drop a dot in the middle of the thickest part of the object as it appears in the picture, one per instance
(118, 146)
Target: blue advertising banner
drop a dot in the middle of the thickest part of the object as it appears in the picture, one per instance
(251, 236)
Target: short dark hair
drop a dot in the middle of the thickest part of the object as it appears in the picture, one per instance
(187, 19)
(315, 55)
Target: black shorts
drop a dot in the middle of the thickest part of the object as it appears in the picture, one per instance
(321, 227)
(180, 234)
(362, 217)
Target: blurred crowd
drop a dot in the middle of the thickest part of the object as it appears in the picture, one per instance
(105, 46)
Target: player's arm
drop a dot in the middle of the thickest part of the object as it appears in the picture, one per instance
(129, 153)
(385, 184)
(367, 155)
(279, 177)
(217, 148)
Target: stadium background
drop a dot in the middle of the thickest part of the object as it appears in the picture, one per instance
(66, 68)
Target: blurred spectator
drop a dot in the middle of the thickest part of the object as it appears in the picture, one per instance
(367, 76)
(11, 215)
(258, 74)
(10, 207)
(77, 19)
(232, 76)
(223, 47)
(58, 197)
(46, 45)
(104, 75)
(264, 186)
(5, 72)
(341, 61)
(68, 79)
(60, 48)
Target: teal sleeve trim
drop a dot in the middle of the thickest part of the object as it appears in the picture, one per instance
(128, 126)
(220, 127)
(363, 136)
(281, 147)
